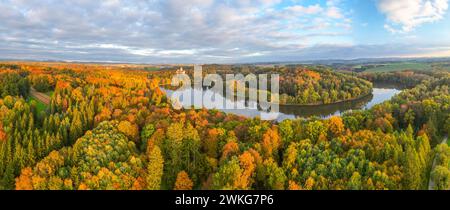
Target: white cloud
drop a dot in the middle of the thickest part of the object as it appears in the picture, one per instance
(148, 31)
(313, 9)
(334, 12)
(405, 15)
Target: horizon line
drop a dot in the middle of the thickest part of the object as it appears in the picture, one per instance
(306, 61)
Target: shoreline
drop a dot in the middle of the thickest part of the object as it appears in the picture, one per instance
(334, 103)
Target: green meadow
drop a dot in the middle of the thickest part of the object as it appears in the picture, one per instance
(39, 105)
(400, 67)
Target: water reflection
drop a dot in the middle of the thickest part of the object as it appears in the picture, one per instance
(380, 95)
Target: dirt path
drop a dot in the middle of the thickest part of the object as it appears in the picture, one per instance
(40, 96)
(431, 183)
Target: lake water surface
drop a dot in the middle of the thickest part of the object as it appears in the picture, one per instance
(379, 96)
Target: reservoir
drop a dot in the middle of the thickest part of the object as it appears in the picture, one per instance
(378, 96)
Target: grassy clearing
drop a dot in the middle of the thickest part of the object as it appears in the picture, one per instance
(39, 105)
(50, 93)
(400, 67)
(152, 68)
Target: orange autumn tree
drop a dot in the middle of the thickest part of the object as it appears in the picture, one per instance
(183, 182)
(271, 142)
(229, 149)
(247, 163)
(2, 133)
(294, 186)
(24, 181)
(105, 114)
(314, 75)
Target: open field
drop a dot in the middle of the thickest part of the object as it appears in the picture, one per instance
(400, 67)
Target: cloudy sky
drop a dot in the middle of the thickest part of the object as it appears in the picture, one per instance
(222, 31)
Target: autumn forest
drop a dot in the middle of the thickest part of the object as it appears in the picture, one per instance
(68, 126)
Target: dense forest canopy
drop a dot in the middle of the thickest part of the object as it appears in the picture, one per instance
(111, 127)
(14, 84)
(321, 86)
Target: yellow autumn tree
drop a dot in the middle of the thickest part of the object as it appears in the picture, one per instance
(130, 130)
(336, 126)
(155, 169)
(310, 182)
